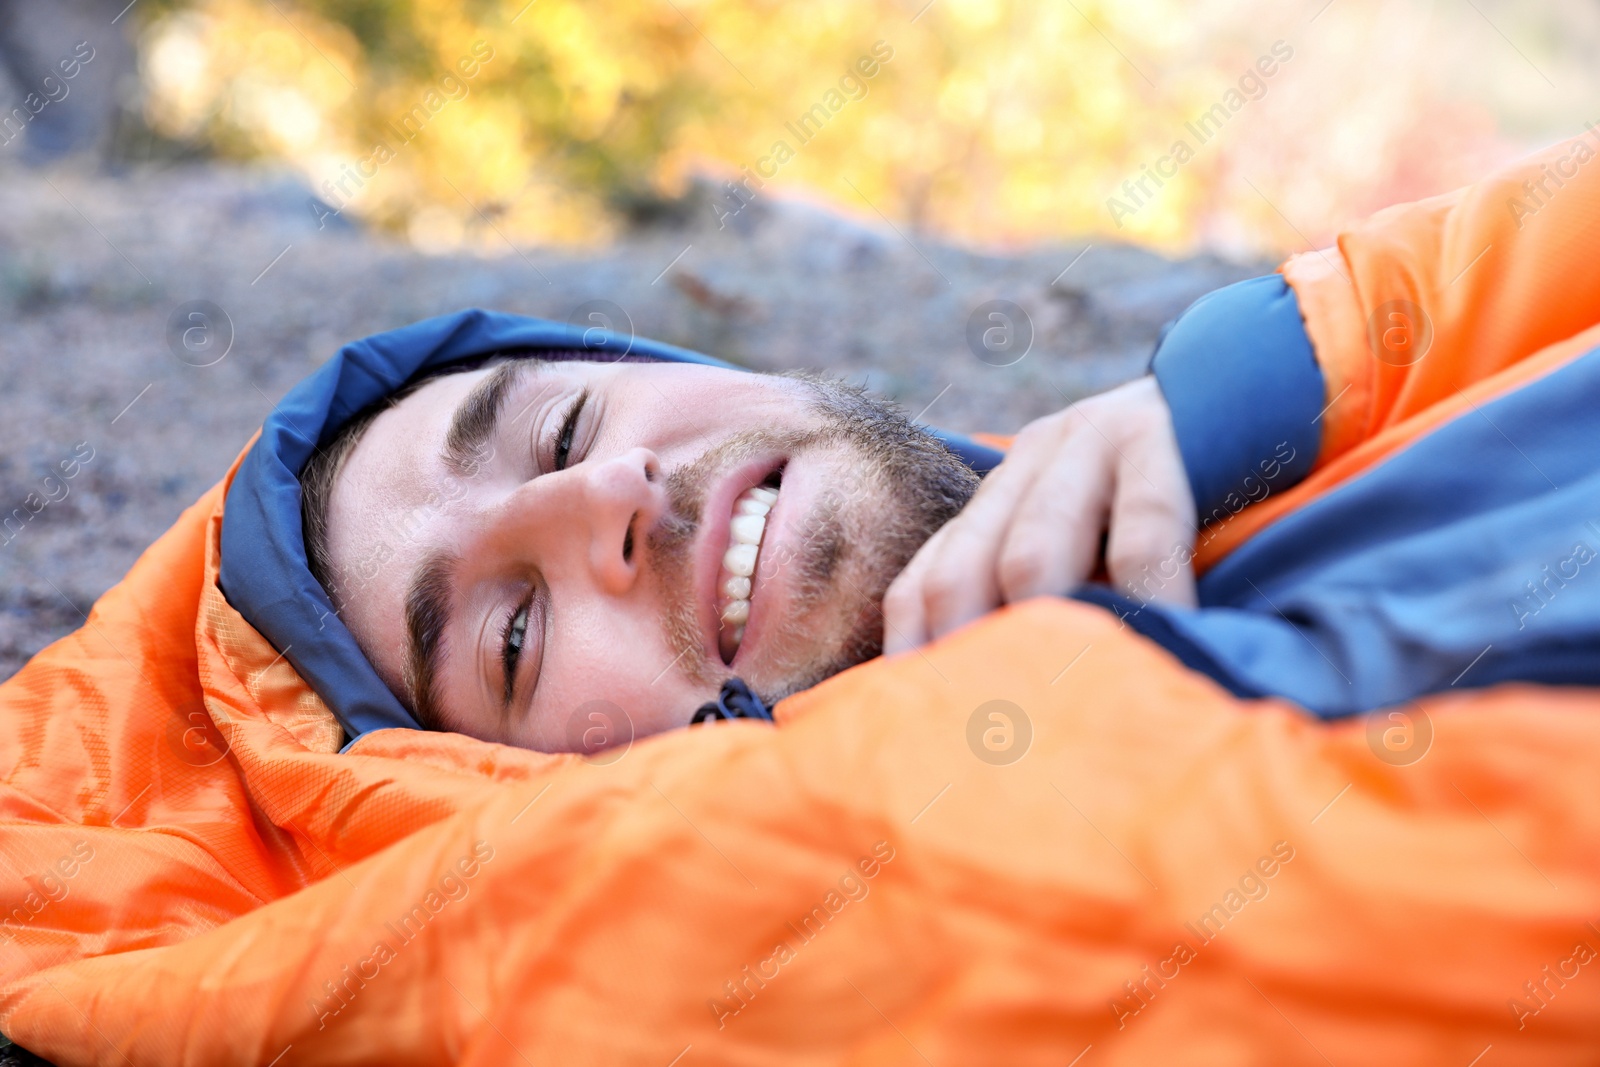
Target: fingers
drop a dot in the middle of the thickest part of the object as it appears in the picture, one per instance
(1150, 548)
(905, 620)
(953, 578)
(1150, 553)
(1108, 465)
(1052, 542)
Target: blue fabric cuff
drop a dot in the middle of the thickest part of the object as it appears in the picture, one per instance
(1246, 394)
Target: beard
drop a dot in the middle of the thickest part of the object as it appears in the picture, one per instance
(897, 485)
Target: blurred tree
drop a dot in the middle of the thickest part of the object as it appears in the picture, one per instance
(994, 121)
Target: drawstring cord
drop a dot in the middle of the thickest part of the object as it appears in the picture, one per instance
(735, 701)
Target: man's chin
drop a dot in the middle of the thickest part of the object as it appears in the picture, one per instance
(805, 664)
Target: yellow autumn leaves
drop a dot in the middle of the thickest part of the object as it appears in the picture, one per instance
(997, 122)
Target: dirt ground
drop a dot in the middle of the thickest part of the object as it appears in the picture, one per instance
(92, 266)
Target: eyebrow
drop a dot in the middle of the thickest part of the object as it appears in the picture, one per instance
(427, 617)
(473, 424)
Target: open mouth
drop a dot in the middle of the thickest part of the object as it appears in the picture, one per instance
(747, 525)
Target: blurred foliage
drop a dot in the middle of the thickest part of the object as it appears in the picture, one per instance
(995, 121)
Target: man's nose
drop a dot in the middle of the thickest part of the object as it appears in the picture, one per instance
(619, 499)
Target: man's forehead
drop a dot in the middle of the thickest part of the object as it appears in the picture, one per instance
(444, 416)
(392, 492)
(396, 458)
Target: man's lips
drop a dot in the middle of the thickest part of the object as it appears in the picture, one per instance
(725, 637)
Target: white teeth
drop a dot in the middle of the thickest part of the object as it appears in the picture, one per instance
(747, 529)
(741, 560)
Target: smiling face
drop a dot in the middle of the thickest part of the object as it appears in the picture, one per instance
(511, 544)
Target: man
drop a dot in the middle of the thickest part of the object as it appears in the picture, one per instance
(509, 542)
(584, 545)
(1104, 826)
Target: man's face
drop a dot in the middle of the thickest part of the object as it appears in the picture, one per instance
(512, 544)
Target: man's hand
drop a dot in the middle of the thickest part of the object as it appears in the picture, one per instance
(1106, 465)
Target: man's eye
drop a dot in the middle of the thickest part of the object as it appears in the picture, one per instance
(513, 636)
(562, 453)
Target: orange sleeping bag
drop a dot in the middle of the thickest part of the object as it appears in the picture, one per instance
(1117, 863)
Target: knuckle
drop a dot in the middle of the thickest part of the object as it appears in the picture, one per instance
(1029, 436)
(902, 600)
(1144, 553)
(1127, 555)
(1043, 431)
(1021, 572)
(942, 593)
